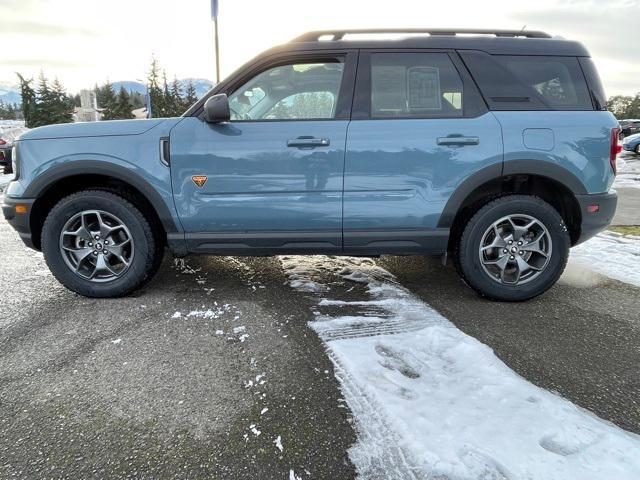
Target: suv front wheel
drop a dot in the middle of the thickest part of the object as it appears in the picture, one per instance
(98, 244)
(514, 248)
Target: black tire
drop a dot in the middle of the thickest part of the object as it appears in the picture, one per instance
(470, 266)
(147, 243)
(638, 149)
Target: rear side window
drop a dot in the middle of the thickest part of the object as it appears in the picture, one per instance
(415, 85)
(558, 80)
(530, 82)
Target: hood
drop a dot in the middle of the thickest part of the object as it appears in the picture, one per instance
(92, 129)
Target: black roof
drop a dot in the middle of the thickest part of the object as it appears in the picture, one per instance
(499, 42)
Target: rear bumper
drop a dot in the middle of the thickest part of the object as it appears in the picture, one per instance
(595, 222)
(19, 221)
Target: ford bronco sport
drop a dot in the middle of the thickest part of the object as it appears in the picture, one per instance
(494, 147)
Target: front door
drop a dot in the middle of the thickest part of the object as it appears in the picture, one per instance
(270, 180)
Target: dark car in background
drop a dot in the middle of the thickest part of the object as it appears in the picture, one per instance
(628, 127)
(7, 138)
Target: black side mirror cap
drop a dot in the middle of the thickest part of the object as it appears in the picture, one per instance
(216, 109)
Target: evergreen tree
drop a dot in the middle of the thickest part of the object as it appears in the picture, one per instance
(123, 106)
(154, 91)
(177, 103)
(47, 105)
(191, 96)
(108, 102)
(44, 113)
(136, 100)
(168, 102)
(62, 105)
(28, 95)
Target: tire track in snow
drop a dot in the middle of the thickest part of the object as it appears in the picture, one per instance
(431, 402)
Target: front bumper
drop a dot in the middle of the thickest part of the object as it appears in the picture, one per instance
(594, 222)
(19, 221)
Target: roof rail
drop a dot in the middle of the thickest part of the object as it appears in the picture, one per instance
(339, 34)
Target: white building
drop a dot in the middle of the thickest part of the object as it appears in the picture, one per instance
(88, 110)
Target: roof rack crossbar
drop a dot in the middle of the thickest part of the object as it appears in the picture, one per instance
(339, 34)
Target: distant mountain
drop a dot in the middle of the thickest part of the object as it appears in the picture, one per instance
(201, 85)
(130, 86)
(11, 93)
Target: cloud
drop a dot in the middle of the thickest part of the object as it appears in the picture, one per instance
(597, 31)
(29, 27)
(39, 62)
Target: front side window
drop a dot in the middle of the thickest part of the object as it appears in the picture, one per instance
(289, 92)
(410, 85)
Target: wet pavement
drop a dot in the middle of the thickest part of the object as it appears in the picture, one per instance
(211, 371)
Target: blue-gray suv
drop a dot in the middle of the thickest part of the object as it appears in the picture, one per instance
(492, 147)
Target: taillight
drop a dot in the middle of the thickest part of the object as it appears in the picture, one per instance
(2, 142)
(616, 148)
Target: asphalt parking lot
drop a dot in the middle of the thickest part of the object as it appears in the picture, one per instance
(211, 371)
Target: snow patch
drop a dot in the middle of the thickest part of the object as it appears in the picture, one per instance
(278, 443)
(611, 254)
(431, 402)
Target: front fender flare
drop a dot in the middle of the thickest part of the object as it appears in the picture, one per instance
(95, 167)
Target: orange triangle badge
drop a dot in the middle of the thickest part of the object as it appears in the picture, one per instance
(199, 180)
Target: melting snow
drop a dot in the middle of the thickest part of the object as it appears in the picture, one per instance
(278, 443)
(614, 255)
(628, 171)
(293, 476)
(432, 402)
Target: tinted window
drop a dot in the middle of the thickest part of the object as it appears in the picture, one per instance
(406, 85)
(289, 92)
(529, 82)
(595, 85)
(558, 80)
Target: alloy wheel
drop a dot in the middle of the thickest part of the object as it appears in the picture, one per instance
(515, 249)
(96, 245)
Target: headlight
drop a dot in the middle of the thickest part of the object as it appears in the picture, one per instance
(14, 161)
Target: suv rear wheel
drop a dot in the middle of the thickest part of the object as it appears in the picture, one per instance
(514, 248)
(98, 244)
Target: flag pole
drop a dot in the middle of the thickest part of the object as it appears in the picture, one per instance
(214, 16)
(215, 21)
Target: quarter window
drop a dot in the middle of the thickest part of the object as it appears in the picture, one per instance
(410, 85)
(289, 92)
(558, 80)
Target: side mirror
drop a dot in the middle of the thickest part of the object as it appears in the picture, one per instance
(216, 109)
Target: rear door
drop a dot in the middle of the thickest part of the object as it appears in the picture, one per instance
(419, 128)
(270, 180)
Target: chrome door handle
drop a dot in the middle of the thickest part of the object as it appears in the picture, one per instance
(308, 142)
(458, 140)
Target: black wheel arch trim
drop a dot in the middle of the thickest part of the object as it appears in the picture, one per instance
(91, 167)
(511, 167)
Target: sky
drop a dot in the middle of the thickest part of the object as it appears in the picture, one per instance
(84, 42)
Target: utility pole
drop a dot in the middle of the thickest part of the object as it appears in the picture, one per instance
(214, 16)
